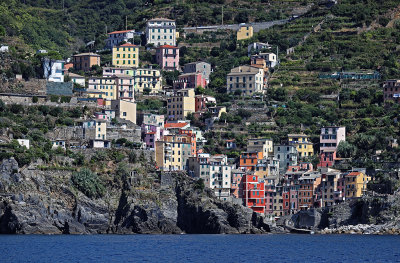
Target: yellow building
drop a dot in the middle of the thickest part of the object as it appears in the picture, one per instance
(181, 104)
(124, 109)
(303, 145)
(101, 130)
(245, 32)
(147, 79)
(173, 152)
(126, 55)
(356, 184)
(102, 88)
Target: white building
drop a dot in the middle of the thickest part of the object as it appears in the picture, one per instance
(24, 142)
(78, 79)
(270, 59)
(257, 47)
(4, 49)
(161, 31)
(246, 79)
(53, 70)
(116, 37)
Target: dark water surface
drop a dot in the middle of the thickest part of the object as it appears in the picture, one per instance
(200, 248)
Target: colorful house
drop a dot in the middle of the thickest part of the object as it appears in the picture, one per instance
(116, 37)
(356, 184)
(85, 61)
(190, 80)
(329, 140)
(308, 185)
(249, 160)
(244, 32)
(254, 193)
(125, 55)
(303, 145)
(181, 104)
(167, 57)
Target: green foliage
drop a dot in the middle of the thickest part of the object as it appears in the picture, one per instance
(35, 99)
(346, 150)
(88, 183)
(199, 184)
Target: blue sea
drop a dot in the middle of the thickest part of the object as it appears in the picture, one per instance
(199, 248)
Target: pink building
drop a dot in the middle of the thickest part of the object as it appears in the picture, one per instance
(125, 86)
(270, 192)
(201, 102)
(236, 183)
(190, 81)
(329, 140)
(168, 57)
(151, 134)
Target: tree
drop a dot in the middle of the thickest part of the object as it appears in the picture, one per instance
(346, 150)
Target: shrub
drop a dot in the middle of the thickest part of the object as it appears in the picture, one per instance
(199, 184)
(54, 98)
(88, 183)
(35, 99)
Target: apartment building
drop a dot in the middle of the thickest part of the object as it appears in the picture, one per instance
(245, 80)
(329, 140)
(147, 80)
(270, 59)
(302, 143)
(199, 67)
(181, 104)
(124, 109)
(125, 55)
(328, 187)
(190, 81)
(308, 185)
(266, 146)
(167, 57)
(201, 102)
(356, 184)
(85, 61)
(161, 31)
(249, 160)
(287, 156)
(102, 88)
(116, 37)
(254, 193)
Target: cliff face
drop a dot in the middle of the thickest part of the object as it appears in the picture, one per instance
(370, 214)
(45, 202)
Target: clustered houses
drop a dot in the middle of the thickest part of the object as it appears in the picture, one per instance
(274, 179)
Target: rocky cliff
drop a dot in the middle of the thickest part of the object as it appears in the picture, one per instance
(45, 202)
(368, 215)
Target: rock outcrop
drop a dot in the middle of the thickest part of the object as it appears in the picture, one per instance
(45, 202)
(367, 215)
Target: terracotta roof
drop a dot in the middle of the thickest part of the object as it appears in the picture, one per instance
(122, 31)
(127, 45)
(354, 174)
(175, 125)
(167, 46)
(151, 133)
(230, 140)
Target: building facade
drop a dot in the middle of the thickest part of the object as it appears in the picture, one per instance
(167, 57)
(246, 80)
(303, 144)
(161, 31)
(329, 140)
(287, 156)
(126, 55)
(244, 32)
(266, 146)
(85, 61)
(254, 193)
(190, 81)
(116, 37)
(391, 91)
(181, 104)
(202, 67)
(125, 109)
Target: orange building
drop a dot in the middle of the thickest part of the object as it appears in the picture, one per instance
(85, 61)
(249, 160)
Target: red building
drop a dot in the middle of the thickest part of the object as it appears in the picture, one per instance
(192, 137)
(307, 191)
(190, 81)
(201, 102)
(254, 193)
(327, 158)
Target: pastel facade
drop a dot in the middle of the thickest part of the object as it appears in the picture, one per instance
(270, 59)
(116, 37)
(147, 79)
(167, 57)
(85, 61)
(244, 32)
(102, 88)
(181, 104)
(303, 144)
(77, 79)
(308, 184)
(329, 140)
(161, 31)
(236, 183)
(190, 81)
(266, 146)
(199, 67)
(249, 160)
(256, 47)
(126, 55)
(356, 184)
(124, 109)
(247, 80)
(329, 186)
